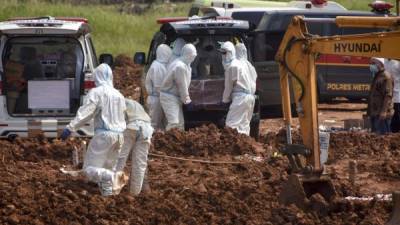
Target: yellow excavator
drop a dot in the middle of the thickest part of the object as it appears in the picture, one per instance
(297, 54)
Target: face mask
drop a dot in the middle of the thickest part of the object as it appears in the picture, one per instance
(374, 69)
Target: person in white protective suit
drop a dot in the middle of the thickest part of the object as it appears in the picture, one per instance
(241, 55)
(392, 66)
(239, 90)
(175, 88)
(137, 139)
(106, 106)
(176, 50)
(154, 78)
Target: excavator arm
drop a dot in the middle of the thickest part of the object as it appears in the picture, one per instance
(296, 56)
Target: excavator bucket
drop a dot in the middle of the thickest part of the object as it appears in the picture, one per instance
(395, 218)
(298, 189)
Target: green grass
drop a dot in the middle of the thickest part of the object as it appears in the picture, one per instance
(113, 32)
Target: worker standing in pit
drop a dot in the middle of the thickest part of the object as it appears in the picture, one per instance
(154, 79)
(106, 106)
(239, 89)
(137, 139)
(176, 50)
(380, 102)
(175, 88)
(393, 68)
(241, 54)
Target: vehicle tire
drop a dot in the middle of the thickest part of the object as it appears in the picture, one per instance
(12, 137)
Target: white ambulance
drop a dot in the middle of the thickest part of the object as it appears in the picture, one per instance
(45, 68)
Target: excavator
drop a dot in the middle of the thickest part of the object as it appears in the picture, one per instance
(296, 56)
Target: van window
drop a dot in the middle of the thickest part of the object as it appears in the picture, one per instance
(271, 30)
(208, 63)
(41, 59)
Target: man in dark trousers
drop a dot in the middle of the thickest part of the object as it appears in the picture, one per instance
(380, 102)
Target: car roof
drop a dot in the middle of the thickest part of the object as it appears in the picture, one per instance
(206, 26)
(240, 3)
(269, 21)
(293, 5)
(43, 27)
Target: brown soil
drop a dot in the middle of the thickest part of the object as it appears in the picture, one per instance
(34, 191)
(206, 141)
(127, 77)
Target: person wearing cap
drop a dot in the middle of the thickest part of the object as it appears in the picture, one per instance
(174, 91)
(392, 66)
(380, 101)
(239, 90)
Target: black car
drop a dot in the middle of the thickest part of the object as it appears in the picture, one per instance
(207, 83)
(338, 76)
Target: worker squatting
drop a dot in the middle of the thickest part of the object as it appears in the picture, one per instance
(122, 126)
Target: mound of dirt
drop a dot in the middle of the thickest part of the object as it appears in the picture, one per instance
(359, 144)
(127, 77)
(205, 141)
(34, 191)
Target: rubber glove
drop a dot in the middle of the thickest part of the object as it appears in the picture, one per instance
(65, 134)
(189, 107)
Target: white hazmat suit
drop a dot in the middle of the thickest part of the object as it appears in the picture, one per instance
(137, 138)
(175, 88)
(393, 67)
(177, 50)
(106, 106)
(154, 79)
(239, 87)
(241, 55)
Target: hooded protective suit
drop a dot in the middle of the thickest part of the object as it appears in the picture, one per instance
(137, 138)
(241, 54)
(154, 79)
(393, 67)
(106, 106)
(239, 87)
(177, 50)
(175, 87)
